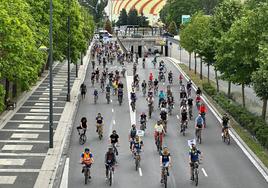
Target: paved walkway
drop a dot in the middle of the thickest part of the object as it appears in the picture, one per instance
(24, 137)
(253, 103)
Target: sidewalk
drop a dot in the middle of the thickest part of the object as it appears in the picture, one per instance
(253, 103)
(24, 132)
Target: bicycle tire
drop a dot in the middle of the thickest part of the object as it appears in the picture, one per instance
(228, 139)
(110, 177)
(136, 163)
(82, 139)
(86, 176)
(196, 177)
(165, 180)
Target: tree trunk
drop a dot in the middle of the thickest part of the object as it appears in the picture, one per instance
(190, 59)
(195, 64)
(229, 89)
(7, 90)
(81, 58)
(264, 107)
(201, 71)
(243, 96)
(217, 80)
(14, 89)
(208, 73)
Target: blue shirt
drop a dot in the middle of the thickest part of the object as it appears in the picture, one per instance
(194, 155)
(162, 95)
(165, 158)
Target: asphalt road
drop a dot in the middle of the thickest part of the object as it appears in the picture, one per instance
(223, 165)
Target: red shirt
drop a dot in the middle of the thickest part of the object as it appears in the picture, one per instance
(202, 109)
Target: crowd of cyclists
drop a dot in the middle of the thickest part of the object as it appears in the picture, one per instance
(110, 82)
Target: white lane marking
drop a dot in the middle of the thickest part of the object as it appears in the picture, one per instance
(23, 130)
(28, 135)
(114, 122)
(54, 93)
(178, 117)
(25, 141)
(10, 162)
(24, 154)
(36, 117)
(7, 179)
(111, 100)
(18, 147)
(21, 121)
(129, 89)
(64, 179)
(55, 89)
(112, 110)
(140, 172)
(19, 170)
(32, 126)
(247, 151)
(39, 110)
(204, 172)
(46, 98)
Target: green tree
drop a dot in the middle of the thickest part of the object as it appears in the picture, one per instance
(132, 17)
(143, 21)
(172, 28)
(108, 26)
(122, 20)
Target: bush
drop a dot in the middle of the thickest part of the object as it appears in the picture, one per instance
(209, 89)
(254, 124)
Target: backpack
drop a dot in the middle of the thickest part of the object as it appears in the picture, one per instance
(95, 92)
(199, 121)
(133, 133)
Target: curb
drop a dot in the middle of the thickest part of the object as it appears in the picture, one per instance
(51, 165)
(243, 146)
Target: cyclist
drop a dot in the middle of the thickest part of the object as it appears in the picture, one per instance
(156, 83)
(95, 93)
(99, 122)
(190, 107)
(87, 160)
(114, 139)
(162, 97)
(180, 79)
(158, 132)
(170, 76)
(97, 72)
(199, 124)
(92, 78)
(143, 119)
(151, 77)
(198, 91)
(193, 157)
(165, 161)
(189, 87)
(163, 117)
(183, 117)
(120, 93)
(137, 145)
(183, 103)
(83, 125)
(144, 86)
(202, 111)
(110, 161)
(133, 97)
(198, 101)
(225, 120)
(120, 85)
(182, 91)
(83, 90)
(132, 135)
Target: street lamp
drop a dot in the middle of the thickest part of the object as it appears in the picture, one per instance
(50, 57)
(68, 55)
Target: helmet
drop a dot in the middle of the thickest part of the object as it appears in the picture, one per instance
(159, 122)
(114, 131)
(193, 146)
(99, 114)
(87, 150)
(133, 126)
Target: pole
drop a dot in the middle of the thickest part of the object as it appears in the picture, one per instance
(50, 79)
(68, 55)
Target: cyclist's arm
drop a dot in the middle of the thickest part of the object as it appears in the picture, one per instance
(161, 161)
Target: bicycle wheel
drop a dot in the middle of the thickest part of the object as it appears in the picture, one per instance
(196, 177)
(165, 180)
(86, 175)
(110, 177)
(228, 139)
(136, 163)
(183, 130)
(82, 139)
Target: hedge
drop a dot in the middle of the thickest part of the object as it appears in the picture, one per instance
(251, 122)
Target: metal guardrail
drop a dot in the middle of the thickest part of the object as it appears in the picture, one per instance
(121, 45)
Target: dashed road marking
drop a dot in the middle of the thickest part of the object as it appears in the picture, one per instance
(204, 172)
(36, 117)
(18, 147)
(114, 122)
(32, 126)
(19, 135)
(112, 110)
(7, 179)
(140, 172)
(9, 162)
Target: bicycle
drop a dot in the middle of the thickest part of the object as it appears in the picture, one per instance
(170, 80)
(144, 91)
(120, 99)
(198, 135)
(143, 125)
(155, 90)
(165, 174)
(226, 136)
(195, 172)
(158, 144)
(114, 145)
(183, 127)
(108, 97)
(95, 99)
(83, 137)
(86, 170)
(110, 174)
(137, 159)
(100, 131)
(132, 104)
(190, 111)
(189, 92)
(170, 107)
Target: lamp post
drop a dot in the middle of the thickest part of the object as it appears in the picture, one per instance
(68, 54)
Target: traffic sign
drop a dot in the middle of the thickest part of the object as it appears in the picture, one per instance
(185, 18)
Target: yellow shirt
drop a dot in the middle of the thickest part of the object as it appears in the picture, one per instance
(159, 128)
